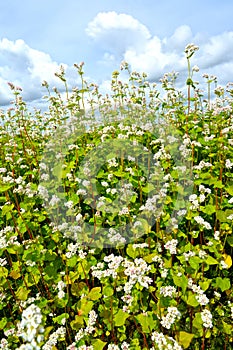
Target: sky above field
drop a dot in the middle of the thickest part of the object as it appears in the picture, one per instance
(36, 37)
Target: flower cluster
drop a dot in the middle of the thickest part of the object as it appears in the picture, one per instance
(207, 317)
(200, 297)
(31, 328)
(60, 286)
(172, 314)
(171, 246)
(164, 342)
(54, 338)
(89, 328)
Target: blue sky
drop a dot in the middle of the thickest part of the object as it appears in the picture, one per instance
(37, 36)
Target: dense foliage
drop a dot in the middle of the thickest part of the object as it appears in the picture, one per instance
(116, 217)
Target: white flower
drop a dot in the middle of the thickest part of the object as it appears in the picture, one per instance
(230, 217)
(30, 326)
(181, 212)
(124, 211)
(190, 49)
(229, 164)
(168, 320)
(168, 291)
(194, 200)
(218, 295)
(223, 264)
(202, 222)
(61, 294)
(43, 192)
(171, 246)
(86, 183)
(202, 197)
(3, 262)
(113, 347)
(112, 162)
(82, 254)
(202, 299)
(188, 255)
(45, 177)
(164, 342)
(195, 69)
(206, 317)
(69, 204)
(54, 200)
(81, 192)
(202, 254)
(124, 346)
(78, 217)
(164, 273)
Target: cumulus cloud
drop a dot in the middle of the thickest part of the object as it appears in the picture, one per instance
(217, 50)
(179, 39)
(125, 38)
(118, 32)
(116, 37)
(26, 68)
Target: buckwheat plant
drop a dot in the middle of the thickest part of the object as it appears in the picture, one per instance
(117, 214)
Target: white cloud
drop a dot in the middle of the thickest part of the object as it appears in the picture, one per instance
(127, 39)
(181, 37)
(24, 67)
(116, 37)
(217, 50)
(118, 32)
(153, 60)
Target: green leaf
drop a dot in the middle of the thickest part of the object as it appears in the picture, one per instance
(3, 271)
(229, 190)
(194, 262)
(133, 253)
(148, 188)
(208, 209)
(216, 183)
(7, 208)
(146, 321)
(181, 281)
(197, 321)
(210, 260)
(204, 285)
(72, 261)
(3, 322)
(230, 240)
(5, 187)
(227, 328)
(98, 344)
(221, 216)
(22, 293)
(76, 288)
(60, 318)
(95, 293)
(192, 301)
(108, 291)
(120, 318)
(77, 323)
(57, 171)
(149, 258)
(15, 274)
(184, 339)
(223, 283)
(85, 306)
